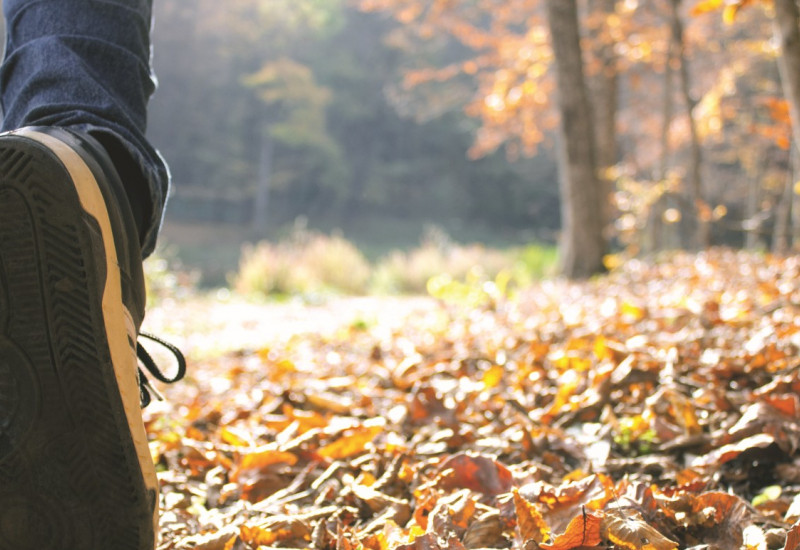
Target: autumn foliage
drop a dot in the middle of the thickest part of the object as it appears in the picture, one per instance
(656, 408)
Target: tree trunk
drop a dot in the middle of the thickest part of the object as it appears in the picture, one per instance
(783, 216)
(605, 104)
(702, 228)
(787, 31)
(754, 171)
(656, 228)
(795, 221)
(583, 244)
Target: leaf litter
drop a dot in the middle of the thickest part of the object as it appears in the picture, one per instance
(655, 408)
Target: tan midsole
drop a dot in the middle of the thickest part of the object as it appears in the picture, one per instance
(114, 315)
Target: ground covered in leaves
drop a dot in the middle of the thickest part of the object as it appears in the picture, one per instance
(655, 408)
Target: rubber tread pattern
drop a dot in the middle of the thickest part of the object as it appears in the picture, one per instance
(69, 474)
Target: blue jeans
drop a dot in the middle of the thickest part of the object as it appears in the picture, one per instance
(85, 64)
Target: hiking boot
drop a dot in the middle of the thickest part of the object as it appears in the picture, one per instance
(75, 467)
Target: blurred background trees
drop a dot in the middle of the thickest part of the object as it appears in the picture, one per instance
(377, 118)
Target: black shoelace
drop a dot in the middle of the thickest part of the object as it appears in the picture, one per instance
(146, 390)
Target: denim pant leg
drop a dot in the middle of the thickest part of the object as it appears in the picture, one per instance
(86, 64)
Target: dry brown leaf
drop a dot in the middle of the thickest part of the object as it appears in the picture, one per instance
(726, 453)
(793, 538)
(476, 472)
(485, 532)
(430, 541)
(629, 530)
(426, 405)
(473, 387)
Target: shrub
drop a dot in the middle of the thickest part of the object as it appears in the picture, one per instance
(534, 261)
(308, 262)
(409, 272)
(302, 264)
(337, 264)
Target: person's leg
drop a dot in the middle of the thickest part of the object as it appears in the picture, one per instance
(86, 64)
(81, 193)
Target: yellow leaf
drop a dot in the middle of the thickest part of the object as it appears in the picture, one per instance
(635, 311)
(601, 349)
(729, 14)
(706, 6)
(493, 376)
(232, 438)
(612, 261)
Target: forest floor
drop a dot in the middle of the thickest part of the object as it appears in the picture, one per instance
(654, 408)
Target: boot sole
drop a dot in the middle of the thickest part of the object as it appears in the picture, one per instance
(75, 472)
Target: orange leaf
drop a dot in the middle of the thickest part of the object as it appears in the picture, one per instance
(256, 536)
(529, 520)
(583, 530)
(788, 404)
(629, 530)
(307, 420)
(232, 542)
(593, 490)
(351, 444)
(261, 460)
(725, 506)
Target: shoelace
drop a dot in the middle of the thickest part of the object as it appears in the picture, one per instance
(146, 390)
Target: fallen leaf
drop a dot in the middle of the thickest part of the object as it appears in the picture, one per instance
(261, 460)
(793, 538)
(583, 530)
(476, 472)
(629, 530)
(530, 522)
(351, 444)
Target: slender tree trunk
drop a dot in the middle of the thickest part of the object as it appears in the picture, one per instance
(787, 225)
(583, 244)
(754, 170)
(702, 227)
(605, 103)
(656, 226)
(795, 222)
(787, 31)
(783, 216)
